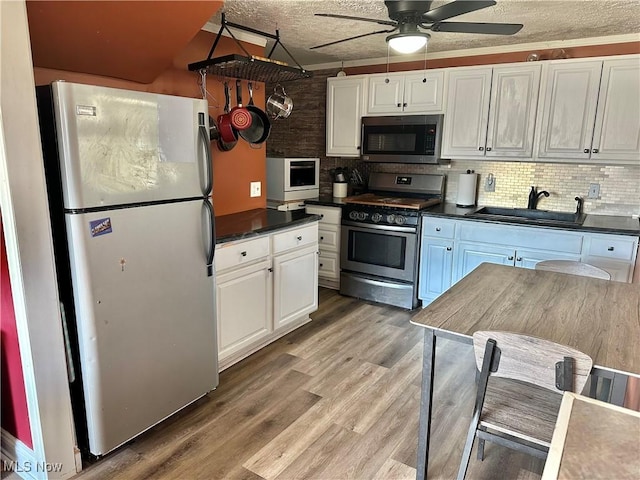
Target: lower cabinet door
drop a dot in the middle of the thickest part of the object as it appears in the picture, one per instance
(295, 285)
(436, 268)
(243, 307)
(470, 255)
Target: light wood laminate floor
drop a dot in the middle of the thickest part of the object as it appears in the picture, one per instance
(336, 399)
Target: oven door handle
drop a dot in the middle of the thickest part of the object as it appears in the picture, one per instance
(387, 228)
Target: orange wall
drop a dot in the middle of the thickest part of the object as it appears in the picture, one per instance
(234, 170)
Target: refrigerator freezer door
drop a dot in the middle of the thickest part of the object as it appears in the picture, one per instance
(120, 147)
(145, 316)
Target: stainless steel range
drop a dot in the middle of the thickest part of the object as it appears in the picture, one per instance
(380, 238)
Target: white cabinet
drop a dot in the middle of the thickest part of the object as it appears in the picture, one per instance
(491, 112)
(452, 248)
(328, 244)
(295, 285)
(395, 93)
(242, 322)
(265, 287)
(591, 111)
(614, 253)
(345, 104)
(436, 257)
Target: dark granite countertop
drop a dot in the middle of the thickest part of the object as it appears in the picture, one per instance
(238, 226)
(326, 201)
(621, 225)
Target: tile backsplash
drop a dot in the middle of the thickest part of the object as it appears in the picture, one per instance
(619, 185)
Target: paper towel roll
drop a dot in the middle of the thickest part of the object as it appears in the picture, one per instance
(340, 189)
(467, 190)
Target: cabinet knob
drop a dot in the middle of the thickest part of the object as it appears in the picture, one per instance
(510, 258)
(399, 105)
(438, 229)
(586, 150)
(404, 104)
(448, 249)
(519, 259)
(244, 254)
(610, 249)
(321, 238)
(321, 265)
(299, 237)
(595, 150)
(270, 269)
(358, 147)
(481, 148)
(488, 149)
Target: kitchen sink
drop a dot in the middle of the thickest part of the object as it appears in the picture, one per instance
(527, 215)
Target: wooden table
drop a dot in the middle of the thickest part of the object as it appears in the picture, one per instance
(595, 440)
(598, 317)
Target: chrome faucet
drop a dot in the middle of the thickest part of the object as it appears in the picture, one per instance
(534, 195)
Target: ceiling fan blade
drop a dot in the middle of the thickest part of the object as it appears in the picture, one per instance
(454, 9)
(471, 27)
(362, 19)
(353, 38)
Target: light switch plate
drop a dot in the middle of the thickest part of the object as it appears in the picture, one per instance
(594, 190)
(256, 189)
(490, 183)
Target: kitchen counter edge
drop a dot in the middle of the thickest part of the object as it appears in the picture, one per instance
(253, 223)
(326, 201)
(620, 225)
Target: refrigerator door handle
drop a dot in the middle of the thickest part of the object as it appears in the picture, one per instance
(209, 235)
(208, 167)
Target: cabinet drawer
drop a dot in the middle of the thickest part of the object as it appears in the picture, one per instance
(611, 246)
(297, 237)
(438, 227)
(328, 237)
(329, 215)
(229, 255)
(328, 265)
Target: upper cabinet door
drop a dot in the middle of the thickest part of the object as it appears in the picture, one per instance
(617, 128)
(570, 99)
(385, 93)
(423, 92)
(345, 97)
(467, 112)
(512, 114)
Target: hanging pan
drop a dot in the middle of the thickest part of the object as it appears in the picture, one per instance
(260, 127)
(228, 135)
(240, 116)
(279, 104)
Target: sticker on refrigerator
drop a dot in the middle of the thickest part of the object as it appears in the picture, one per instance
(100, 227)
(86, 110)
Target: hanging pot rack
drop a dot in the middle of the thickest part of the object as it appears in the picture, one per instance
(250, 67)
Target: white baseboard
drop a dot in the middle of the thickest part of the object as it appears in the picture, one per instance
(18, 458)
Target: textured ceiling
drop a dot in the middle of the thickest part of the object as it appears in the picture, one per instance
(543, 20)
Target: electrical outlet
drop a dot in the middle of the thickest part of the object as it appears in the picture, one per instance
(594, 190)
(256, 189)
(490, 183)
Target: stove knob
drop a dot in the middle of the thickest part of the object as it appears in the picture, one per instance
(400, 220)
(362, 215)
(391, 218)
(353, 215)
(376, 217)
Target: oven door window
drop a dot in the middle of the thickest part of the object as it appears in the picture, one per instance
(302, 173)
(377, 249)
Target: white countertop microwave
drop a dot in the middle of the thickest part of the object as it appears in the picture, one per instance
(292, 178)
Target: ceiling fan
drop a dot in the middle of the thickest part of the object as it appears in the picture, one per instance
(410, 17)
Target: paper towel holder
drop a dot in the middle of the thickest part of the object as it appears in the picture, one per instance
(467, 186)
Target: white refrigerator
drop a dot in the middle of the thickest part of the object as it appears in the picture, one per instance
(129, 178)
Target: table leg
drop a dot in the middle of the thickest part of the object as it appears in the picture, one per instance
(426, 401)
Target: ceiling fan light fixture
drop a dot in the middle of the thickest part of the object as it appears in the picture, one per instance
(408, 43)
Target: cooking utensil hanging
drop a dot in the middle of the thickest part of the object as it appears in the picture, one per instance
(260, 127)
(214, 133)
(228, 135)
(279, 104)
(240, 116)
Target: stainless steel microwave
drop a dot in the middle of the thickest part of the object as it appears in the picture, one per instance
(402, 139)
